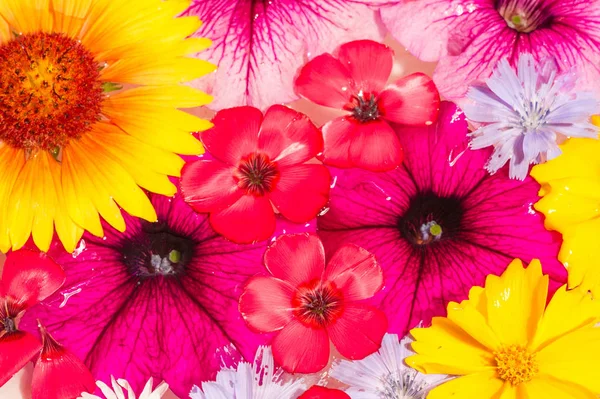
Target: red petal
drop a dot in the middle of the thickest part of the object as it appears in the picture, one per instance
(338, 135)
(302, 191)
(234, 135)
(412, 100)
(289, 137)
(59, 374)
(375, 147)
(248, 220)
(301, 349)
(355, 271)
(266, 303)
(30, 277)
(296, 258)
(325, 81)
(318, 392)
(370, 64)
(209, 185)
(359, 331)
(16, 350)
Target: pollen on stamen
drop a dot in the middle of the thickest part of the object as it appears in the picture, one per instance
(50, 91)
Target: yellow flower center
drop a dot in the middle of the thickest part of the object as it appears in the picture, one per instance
(515, 364)
(50, 91)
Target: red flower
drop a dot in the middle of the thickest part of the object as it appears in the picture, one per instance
(318, 392)
(312, 304)
(257, 164)
(30, 277)
(356, 82)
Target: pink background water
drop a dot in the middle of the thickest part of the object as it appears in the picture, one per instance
(19, 386)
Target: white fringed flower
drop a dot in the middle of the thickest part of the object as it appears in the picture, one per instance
(116, 392)
(384, 375)
(260, 381)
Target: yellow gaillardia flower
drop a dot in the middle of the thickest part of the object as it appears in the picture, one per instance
(504, 342)
(571, 202)
(89, 98)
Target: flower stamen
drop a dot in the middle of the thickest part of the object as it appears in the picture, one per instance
(257, 174)
(515, 364)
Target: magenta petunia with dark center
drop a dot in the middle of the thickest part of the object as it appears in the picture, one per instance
(160, 300)
(439, 223)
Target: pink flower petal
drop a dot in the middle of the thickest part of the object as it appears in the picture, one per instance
(260, 46)
(450, 168)
(289, 137)
(318, 392)
(29, 277)
(16, 350)
(375, 146)
(234, 135)
(370, 64)
(338, 135)
(209, 185)
(248, 220)
(412, 100)
(355, 272)
(266, 303)
(296, 258)
(301, 192)
(59, 374)
(324, 80)
(301, 349)
(359, 331)
(120, 321)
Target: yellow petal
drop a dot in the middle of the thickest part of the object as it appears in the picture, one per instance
(11, 164)
(444, 348)
(70, 15)
(20, 206)
(579, 159)
(516, 302)
(466, 316)
(44, 200)
(148, 97)
(551, 388)
(27, 16)
(483, 385)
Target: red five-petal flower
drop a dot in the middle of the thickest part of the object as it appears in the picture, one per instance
(257, 164)
(318, 392)
(356, 82)
(59, 374)
(27, 278)
(312, 304)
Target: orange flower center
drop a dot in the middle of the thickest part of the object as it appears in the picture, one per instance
(515, 364)
(50, 91)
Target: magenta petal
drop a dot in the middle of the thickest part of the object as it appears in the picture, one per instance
(121, 315)
(412, 100)
(204, 185)
(296, 258)
(324, 80)
(289, 137)
(370, 64)
(301, 349)
(301, 192)
(260, 46)
(235, 134)
(16, 350)
(375, 146)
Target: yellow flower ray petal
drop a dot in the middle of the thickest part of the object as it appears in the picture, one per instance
(479, 385)
(13, 161)
(44, 200)
(552, 388)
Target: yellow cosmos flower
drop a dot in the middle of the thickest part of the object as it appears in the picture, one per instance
(506, 344)
(75, 145)
(571, 203)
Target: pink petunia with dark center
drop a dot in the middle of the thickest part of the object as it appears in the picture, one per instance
(159, 300)
(470, 37)
(355, 79)
(439, 224)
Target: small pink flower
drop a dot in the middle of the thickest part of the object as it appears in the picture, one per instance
(355, 80)
(258, 164)
(311, 305)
